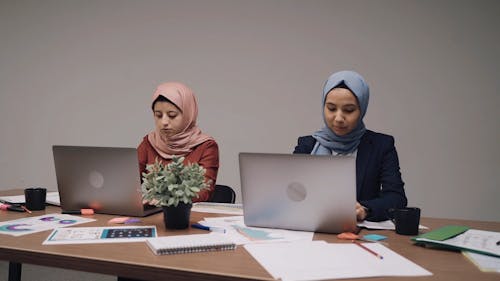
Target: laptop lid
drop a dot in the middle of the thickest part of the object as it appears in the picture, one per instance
(106, 179)
(299, 191)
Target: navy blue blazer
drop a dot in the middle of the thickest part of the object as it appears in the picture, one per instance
(379, 186)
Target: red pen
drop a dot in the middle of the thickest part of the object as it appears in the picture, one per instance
(367, 249)
(26, 209)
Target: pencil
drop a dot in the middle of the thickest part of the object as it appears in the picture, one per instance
(26, 209)
(368, 249)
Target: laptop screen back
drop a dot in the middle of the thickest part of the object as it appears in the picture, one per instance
(105, 179)
(298, 191)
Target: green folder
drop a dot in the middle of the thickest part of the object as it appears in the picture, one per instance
(442, 238)
(443, 233)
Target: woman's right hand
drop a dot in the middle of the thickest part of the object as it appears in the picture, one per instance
(360, 212)
(152, 202)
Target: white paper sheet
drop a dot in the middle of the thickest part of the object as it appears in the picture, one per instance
(484, 262)
(318, 260)
(218, 208)
(239, 233)
(52, 197)
(388, 224)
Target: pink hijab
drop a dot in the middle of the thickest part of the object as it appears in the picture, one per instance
(190, 136)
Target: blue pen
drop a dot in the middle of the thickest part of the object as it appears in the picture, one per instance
(208, 228)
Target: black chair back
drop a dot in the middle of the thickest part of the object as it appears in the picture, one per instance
(223, 194)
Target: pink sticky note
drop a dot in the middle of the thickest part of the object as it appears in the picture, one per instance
(118, 220)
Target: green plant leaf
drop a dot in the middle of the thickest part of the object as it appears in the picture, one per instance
(173, 183)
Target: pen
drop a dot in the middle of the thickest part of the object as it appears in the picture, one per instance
(26, 209)
(208, 228)
(367, 249)
(79, 212)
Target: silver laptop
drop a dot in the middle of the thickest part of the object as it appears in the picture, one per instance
(106, 179)
(299, 191)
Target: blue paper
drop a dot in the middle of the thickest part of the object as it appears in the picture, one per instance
(375, 237)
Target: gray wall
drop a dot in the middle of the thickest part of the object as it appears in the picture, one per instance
(82, 73)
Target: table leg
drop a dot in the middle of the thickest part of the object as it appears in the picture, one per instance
(15, 271)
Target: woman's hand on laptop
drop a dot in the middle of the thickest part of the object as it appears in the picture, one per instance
(361, 212)
(152, 202)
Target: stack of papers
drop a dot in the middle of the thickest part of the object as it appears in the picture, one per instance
(52, 197)
(462, 238)
(481, 247)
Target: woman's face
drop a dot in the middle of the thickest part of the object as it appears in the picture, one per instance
(341, 111)
(168, 118)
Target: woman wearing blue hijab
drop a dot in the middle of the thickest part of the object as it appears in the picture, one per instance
(379, 186)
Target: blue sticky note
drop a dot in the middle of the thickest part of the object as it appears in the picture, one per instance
(375, 237)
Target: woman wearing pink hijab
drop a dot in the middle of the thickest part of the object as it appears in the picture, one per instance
(175, 111)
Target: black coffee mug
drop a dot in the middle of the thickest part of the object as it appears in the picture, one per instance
(35, 198)
(406, 220)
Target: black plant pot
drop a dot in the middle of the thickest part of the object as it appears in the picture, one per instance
(177, 217)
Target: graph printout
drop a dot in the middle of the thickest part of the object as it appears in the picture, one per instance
(87, 235)
(40, 223)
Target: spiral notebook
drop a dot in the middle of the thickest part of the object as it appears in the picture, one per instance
(194, 243)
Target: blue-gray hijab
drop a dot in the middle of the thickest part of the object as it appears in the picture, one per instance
(327, 140)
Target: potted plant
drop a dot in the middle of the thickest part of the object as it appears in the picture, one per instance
(173, 187)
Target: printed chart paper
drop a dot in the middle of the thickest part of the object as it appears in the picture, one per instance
(241, 234)
(40, 223)
(87, 235)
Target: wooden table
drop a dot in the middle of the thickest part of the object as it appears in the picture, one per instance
(135, 260)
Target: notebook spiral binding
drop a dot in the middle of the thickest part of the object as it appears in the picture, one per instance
(194, 243)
